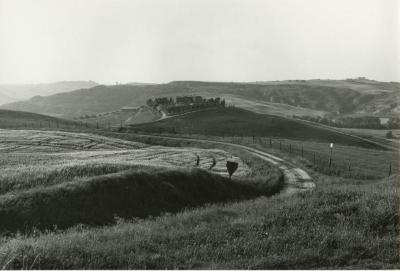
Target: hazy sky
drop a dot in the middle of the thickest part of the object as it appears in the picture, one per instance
(216, 40)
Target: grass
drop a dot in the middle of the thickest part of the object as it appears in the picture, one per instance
(47, 180)
(364, 163)
(239, 122)
(42, 158)
(341, 224)
(21, 119)
(134, 193)
(347, 222)
(347, 161)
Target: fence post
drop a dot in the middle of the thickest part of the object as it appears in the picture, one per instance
(330, 156)
(290, 148)
(270, 142)
(314, 158)
(390, 169)
(280, 145)
(302, 151)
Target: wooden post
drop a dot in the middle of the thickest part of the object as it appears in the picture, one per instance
(330, 159)
(314, 158)
(302, 151)
(390, 169)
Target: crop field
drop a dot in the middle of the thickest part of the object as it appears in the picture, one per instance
(32, 158)
(197, 219)
(61, 179)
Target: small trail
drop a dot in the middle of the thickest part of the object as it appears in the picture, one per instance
(296, 179)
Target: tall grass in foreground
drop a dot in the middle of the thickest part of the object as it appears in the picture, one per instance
(335, 226)
(133, 193)
(18, 181)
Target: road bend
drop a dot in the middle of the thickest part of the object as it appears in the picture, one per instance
(296, 179)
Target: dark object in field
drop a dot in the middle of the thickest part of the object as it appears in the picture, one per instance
(232, 167)
(214, 162)
(197, 160)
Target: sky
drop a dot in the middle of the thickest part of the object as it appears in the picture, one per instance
(209, 40)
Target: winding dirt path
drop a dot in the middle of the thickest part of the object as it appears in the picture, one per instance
(296, 179)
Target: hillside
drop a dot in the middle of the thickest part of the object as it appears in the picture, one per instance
(312, 97)
(240, 122)
(14, 92)
(20, 119)
(123, 116)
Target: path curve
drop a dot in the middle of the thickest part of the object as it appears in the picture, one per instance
(296, 179)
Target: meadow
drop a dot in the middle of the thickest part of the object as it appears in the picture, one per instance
(351, 162)
(47, 175)
(186, 216)
(341, 224)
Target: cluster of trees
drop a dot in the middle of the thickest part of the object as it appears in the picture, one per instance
(366, 122)
(184, 103)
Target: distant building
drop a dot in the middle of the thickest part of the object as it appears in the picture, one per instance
(384, 121)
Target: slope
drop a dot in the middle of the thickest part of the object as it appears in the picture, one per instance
(20, 119)
(240, 122)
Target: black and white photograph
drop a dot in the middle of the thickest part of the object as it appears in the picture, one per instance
(199, 134)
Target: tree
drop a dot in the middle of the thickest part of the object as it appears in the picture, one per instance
(389, 134)
(150, 102)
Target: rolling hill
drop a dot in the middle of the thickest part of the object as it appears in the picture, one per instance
(14, 92)
(240, 122)
(20, 119)
(295, 97)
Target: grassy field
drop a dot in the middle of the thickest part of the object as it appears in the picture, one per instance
(347, 161)
(33, 158)
(240, 122)
(349, 222)
(342, 224)
(20, 119)
(138, 192)
(54, 178)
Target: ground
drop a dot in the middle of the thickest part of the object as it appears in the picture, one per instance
(346, 221)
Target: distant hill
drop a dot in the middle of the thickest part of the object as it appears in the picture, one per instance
(19, 119)
(294, 97)
(13, 92)
(6, 99)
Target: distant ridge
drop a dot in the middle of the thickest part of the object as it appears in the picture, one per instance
(15, 92)
(317, 97)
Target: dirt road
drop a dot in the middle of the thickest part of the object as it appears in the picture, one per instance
(296, 179)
